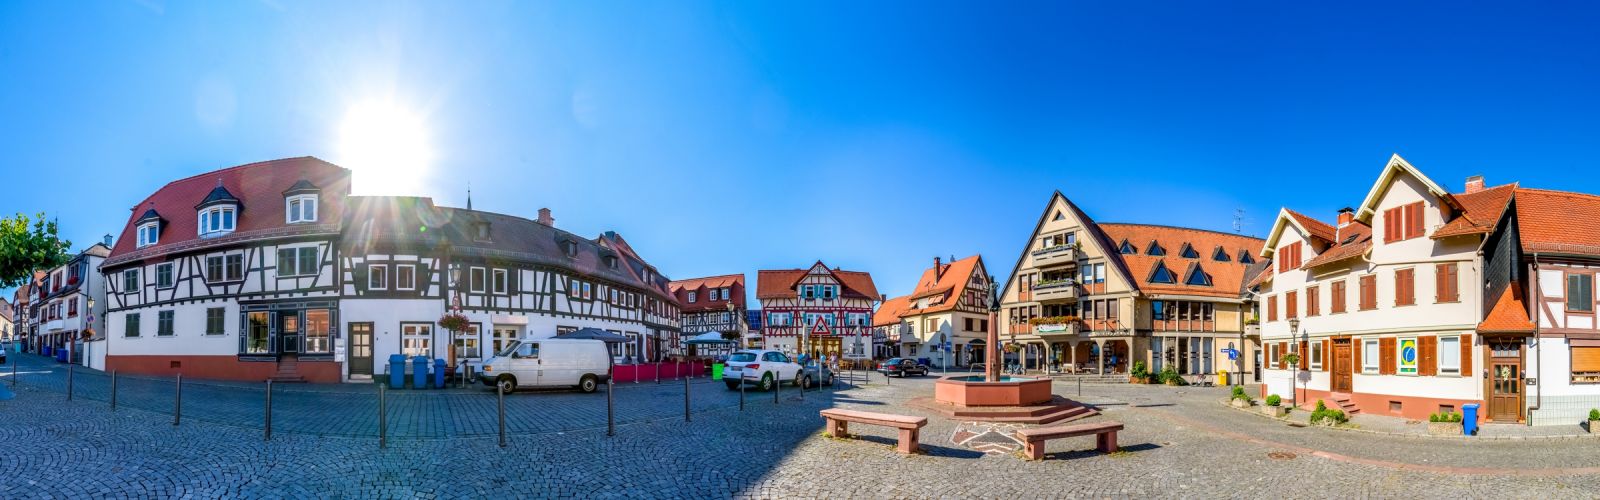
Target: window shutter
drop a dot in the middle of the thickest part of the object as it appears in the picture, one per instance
(1355, 353)
(1427, 354)
(1386, 356)
(1414, 216)
(1389, 223)
(1283, 348)
(1466, 355)
(1272, 308)
(1305, 355)
(1327, 354)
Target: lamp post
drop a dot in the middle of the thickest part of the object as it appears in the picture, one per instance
(88, 329)
(1294, 329)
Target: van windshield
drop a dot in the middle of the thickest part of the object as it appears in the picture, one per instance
(511, 348)
(742, 357)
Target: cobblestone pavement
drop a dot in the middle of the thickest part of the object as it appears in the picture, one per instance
(1179, 442)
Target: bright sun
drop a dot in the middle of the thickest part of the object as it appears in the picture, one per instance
(386, 146)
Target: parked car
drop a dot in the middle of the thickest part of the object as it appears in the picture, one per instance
(584, 364)
(902, 367)
(817, 374)
(764, 368)
(2, 354)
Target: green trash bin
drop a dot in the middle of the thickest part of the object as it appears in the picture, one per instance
(716, 371)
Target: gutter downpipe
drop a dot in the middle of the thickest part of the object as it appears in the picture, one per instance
(1538, 355)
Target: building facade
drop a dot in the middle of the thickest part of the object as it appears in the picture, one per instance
(262, 271)
(706, 305)
(69, 300)
(946, 307)
(1088, 297)
(817, 311)
(1382, 307)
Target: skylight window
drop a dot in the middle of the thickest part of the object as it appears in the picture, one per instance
(1127, 249)
(1220, 255)
(1162, 275)
(1188, 252)
(1155, 249)
(1197, 277)
(1245, 258)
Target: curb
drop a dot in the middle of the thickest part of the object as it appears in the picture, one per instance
(1563, 437)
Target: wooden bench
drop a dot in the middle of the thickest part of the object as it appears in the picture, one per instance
(1033, 439)
(910, 427)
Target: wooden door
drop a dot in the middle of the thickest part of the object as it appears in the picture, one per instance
(361, 348)
(1505, 381)
(1343, 366)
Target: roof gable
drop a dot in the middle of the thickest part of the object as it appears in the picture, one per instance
(1392, 171)
(1093, 237)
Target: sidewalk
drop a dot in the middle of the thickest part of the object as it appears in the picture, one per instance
(1397, 426)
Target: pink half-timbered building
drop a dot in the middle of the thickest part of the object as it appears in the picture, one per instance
(818, 311)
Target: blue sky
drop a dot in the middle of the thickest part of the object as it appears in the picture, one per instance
(723, 138)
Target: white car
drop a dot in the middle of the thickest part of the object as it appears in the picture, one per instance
(548, 362)
(764, 368)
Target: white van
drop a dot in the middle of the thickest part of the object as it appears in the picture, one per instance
(584, 364)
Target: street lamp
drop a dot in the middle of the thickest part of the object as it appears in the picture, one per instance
(1294, 329)
(733, 325)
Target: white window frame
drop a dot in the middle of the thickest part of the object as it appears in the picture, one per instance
(151, 229)
(130, 275)
(1370, 365)
(420, 335)
(294, 208)
(1439, 358)
(500, 279)
(214, 215)
(477, 280)
(1316, 354)
(693, 296)
(404, 269)
(172, 280)
(380, 271)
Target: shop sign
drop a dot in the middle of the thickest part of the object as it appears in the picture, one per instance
(1408, 356)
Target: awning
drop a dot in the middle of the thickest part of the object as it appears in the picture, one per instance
(594, 334)
(709, 338)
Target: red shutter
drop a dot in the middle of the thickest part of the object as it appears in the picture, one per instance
(1305, 355)
(1355, 353)
(1390, 226)
(1272, 308)
(1326, 354)
(1446, 283)
(1427, 355)
(1466, 355)
(1386, 356)
(1405, 287)
(1291, 304)
(1414, 220)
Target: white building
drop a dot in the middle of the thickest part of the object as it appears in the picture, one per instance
(817, 311)
(72, 295)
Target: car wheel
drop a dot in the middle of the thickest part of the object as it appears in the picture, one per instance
(766, 382)
(588, 384)
(506, 383)
(804, 382)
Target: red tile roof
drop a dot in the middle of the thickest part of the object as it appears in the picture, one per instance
(1558, 222)
(1227, 278)
(1480, 211)
(1345, 247)
(951, 282)
(777, 284)
(1317, 228)
(890, 311)
(1510, 314)
(259, 187)
(733, 282)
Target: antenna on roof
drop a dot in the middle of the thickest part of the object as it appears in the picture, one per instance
(1238, 221)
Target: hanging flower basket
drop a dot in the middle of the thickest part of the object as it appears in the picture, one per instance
(454, 322)
(1013, 348)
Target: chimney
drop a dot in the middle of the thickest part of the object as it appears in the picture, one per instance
(938, 270)
(1346, 216)
(545, 218)
(1474, 184)
(108, 240)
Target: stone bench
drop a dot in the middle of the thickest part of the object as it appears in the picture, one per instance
(839, 425)
(1033, 439)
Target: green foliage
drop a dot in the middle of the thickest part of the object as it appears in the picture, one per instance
(1325, 415)
(1170, 376)
(454, 322)
(27, 245)
(1594, 415)
(1291, 359)
(1138, 371)
(1274, 400)
(1238, 393)
(1445, 417)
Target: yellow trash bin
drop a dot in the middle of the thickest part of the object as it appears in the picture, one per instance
(1222, 377)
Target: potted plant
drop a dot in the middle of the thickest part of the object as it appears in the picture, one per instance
(1274, 407)
(1444, 424)
(1240, 399)
(1329, 417)
(1170, 376)
(1138, 374)
(1594, 416)
(1291, 359)
(454, 322)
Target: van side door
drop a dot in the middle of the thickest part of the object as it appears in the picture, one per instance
(526, 364)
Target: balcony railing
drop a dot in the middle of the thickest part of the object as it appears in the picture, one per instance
(1058, 290)
(1252, 330)
(1056, 255)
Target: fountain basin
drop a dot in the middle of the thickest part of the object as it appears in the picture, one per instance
(973, 390)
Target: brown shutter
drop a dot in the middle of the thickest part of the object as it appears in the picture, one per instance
(1585, 359)
(1416, 218)
(1427, 356)
(1283, 349)
(1291, 304)
(1391, 225)
(1386, 356)
(1466, 355)
(1327, 352)
(1356, 346)
(1305, 355)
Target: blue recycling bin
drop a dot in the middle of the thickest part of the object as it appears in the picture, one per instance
(438, 373)
(419, 372)
(397, 371)
(61, 355)
(45, 351)
(1469, 419)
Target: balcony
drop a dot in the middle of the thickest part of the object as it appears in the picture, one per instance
(1252, 330)
(1051, 291)
(1058, 255)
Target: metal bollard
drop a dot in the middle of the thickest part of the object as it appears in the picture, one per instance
(69, 381)
(1080, 387)
(113, 390)
(383, 417)
(658, 372)
(177, 403)
(611, 422)
(13, 374)
(267, 414)
(741, 392)
(686, 417)
(777, 386)
(501, 390)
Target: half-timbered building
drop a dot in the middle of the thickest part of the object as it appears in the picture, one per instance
(817, 311)
(231, 274)
(706, 305)
(946, 307)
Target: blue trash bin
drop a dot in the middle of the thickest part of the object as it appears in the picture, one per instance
(419, 372)
(61, 355)
(1469, 419)
(46, 351)
(397, 371)
(438, 373)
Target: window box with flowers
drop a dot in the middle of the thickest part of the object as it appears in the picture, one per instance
(454, 322)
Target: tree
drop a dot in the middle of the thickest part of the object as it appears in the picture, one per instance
(27, 245)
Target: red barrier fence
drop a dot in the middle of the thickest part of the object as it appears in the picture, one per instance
(646, 372)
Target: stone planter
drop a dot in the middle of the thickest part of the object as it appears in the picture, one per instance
(1275, 411)
(1240, 403)
(1590, 426)
(1444, 428)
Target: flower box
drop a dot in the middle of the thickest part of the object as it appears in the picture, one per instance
(1444, 428)
(1240, 403)
(1275, 411)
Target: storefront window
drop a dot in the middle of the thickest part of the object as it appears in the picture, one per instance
(416, 339)
(467, 342)
(318, 330)
(257, 338)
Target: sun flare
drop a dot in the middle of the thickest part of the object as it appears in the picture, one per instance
(386, 146)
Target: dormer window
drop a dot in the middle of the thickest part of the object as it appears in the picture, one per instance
(611, 261)
(1188, 252)
(217, 221)
(1155, 249)
(148, 234)
(1161, 274)
(482, 233)
(570, 247)
(300, 208)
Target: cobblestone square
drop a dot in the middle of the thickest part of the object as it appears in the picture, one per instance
(1179, 442)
